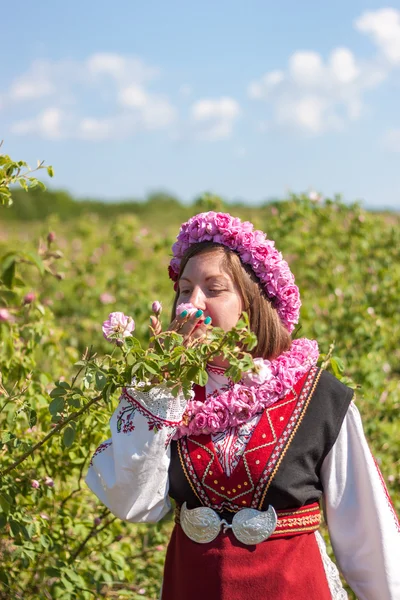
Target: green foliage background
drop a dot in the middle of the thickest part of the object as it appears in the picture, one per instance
(57, 541)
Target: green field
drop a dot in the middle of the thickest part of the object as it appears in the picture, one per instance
(56, 540)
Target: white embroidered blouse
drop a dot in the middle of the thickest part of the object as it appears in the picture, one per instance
(129, 474)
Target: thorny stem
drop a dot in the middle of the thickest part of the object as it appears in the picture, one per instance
(94, 531)
(56, 429)
(328, 356)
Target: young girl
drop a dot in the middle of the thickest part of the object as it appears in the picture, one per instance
(249, 464)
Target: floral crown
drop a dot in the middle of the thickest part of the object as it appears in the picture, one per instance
(253, 248)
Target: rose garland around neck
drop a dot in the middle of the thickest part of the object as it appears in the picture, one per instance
(241, 401)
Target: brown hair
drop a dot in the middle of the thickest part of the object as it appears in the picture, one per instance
(272, 336)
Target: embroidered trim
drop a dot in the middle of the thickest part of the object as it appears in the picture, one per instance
(331, 571)
(158, 405)
(183, 465)
(100, 449)
(283, 445)
(230, 445)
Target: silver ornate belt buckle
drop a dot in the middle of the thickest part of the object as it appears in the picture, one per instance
(249, 526)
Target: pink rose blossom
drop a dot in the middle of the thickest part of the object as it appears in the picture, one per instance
(117, 327)
(185, 306)
(261, 374)
(5, 315)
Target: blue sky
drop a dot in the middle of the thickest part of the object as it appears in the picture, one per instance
(247, 100)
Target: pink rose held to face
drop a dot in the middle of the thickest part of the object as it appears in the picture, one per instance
(185, 306)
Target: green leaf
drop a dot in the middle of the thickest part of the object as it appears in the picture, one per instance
(57, 391)
(35, 259)
(151, 367)
(69, 435)
(202, 377)
(100, 380)
(8, 275)
(56, 405)
(63, 384)
(23, 183)
(50, 171)
(5, 502)
(32, 418)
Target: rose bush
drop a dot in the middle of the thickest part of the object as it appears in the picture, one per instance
(59, 282)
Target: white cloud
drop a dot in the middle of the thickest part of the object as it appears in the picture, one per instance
(316, 95)
(123, 69)
(213, 119)
(343, 66)
(133, 96)
(32, 85)
(391, 140)
(312, 95)
(261, 88)
(306, 68)
(48, 124)
(121, 83)
(384, 27)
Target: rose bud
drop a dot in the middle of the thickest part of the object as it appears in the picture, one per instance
(51, 236)
(48, 481)
(29, 298)
(35, 484)
(156, 307)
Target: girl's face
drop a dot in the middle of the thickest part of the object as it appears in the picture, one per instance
(208, 287)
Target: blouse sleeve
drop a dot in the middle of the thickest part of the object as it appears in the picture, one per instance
(129, 471)
(362, 523)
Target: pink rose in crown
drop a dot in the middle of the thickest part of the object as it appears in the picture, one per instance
(223, 221)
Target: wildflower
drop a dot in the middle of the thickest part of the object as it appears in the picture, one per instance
(29, 298)
(4, 315)
(51, 236)
(106, 298)
(314, 196)
(117, 327)
(48, 481)
(35, 484)
(156, 307)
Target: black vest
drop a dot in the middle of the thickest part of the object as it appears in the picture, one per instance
(291, 468)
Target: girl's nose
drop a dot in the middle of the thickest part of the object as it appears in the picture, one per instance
(197, 298)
